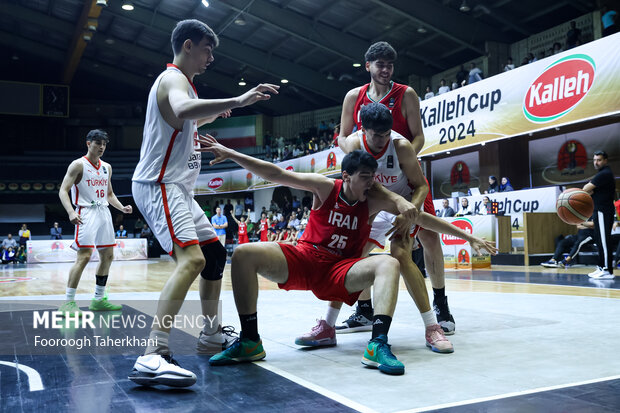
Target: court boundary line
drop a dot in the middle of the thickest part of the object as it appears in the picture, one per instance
(508, 395)
(317, 389)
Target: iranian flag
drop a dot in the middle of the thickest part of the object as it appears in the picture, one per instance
(235, 132)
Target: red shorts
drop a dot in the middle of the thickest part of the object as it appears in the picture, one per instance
(263, 235)
(429, 207)
(243, 239)
(323, 273)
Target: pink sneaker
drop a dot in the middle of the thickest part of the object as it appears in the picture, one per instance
(437, 341)
(322, 335)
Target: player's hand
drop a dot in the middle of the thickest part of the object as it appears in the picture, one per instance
(478, 244)
(615, 225)
(75, 218)
(225, 114)
(260, 92)
(127, 209)
(581, 226)
(401, 226)
(209, 144)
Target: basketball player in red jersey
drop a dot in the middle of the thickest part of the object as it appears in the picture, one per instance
(264, 227)
(326, 259)
(404, 104)
(242, 232)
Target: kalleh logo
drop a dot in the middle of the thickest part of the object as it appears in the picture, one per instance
(559, 89)
(215, 183)
(463, 224)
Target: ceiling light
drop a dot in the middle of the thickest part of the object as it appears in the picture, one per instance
(464, 7)
(240, 20)
(205, 3)
(15, 57)
(242, 82)
(109, 41)
(102, 3)
(284, 81)
(357, 64)
(87, 36)
(330, 76)
(421, 29)
(92, 25)
(127, 6)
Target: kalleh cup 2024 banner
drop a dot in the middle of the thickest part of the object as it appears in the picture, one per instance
(576, 85)
(326, 162)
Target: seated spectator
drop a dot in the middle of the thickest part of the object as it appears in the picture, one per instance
(443, 88)
(146, 232)
(9, 241)
(505, 185)
(21, 257)
(610, 21)
(302, 228)
(461, 76)
(475, 74)
(24, 235)
(429, 93)
(455, 85)
(525, 61)
(293, 222)
(121, 233)
(137, 228)
(573, 36)
(572, 243)
(465, 208)
(509, 65)
(493, 187)
(557, 48)
(8, 256)
(55, 231)
(281, 222)
(485, 208)
(531, 58)
(447, 210)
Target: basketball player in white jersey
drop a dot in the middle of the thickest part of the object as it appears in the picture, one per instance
(162, 188)
(398, 171)
(90, 182)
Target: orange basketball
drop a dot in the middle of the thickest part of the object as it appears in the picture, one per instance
(574, 206)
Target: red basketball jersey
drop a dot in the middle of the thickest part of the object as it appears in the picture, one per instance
(337, 226)
(264, 227)
(243, 228)
(392, 100)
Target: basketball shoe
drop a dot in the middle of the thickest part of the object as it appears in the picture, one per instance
(242, 350)
(378, 354)
(211, 344)
(444, 318)
(154, 369)
(356, 322)
(551, 264)
(69, 309)
(601, 274)
(103, 305)
(437, 341)
(321, 335)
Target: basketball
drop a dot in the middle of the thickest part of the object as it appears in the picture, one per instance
(574, 206)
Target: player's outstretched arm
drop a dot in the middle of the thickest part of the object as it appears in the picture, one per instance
(71, 177)
(316, 183)
(380, 199)
(428, 221)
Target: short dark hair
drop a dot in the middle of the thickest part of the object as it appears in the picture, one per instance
(376, 117)
(97, 135)
(192, 29)
(601, 153)
(354, 160)
(380, 50)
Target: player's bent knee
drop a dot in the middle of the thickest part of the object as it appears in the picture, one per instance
(215, 257)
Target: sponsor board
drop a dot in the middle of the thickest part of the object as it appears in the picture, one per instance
(126, 249)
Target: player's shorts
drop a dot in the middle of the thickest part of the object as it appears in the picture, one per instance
(96, 230)
(243, 239)
(173, 215)
(319, 271)
(383, 223)
(263, 235)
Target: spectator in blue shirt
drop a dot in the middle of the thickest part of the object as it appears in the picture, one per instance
(505, 186)
(55, 231)
(121, 233)
(220, 223)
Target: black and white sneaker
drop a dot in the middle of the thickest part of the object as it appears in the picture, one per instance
(217, 342)
(356, 322)
(444, 318)
(154, 369)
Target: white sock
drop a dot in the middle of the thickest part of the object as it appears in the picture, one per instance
(99, 291)
(71, 294)
(429, 318)
(210, 328)
(158, 343)
(332, 315)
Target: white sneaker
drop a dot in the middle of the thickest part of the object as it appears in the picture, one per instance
(154, 369)
(211, 344)
(602, 275)
(595, 272)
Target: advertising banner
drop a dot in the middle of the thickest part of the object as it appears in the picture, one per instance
(457, 252)
(570, 87)
(326, 162)
(60, 250)
(455, 174)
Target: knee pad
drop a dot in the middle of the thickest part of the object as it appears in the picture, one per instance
(215, 257)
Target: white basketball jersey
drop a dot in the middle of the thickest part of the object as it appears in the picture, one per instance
(92, 190)
(388, 172)
(167, 154)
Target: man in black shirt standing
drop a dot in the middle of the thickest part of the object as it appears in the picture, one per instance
(602, 188)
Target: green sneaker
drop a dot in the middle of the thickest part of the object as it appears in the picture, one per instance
(379, 355)
(242, 350)
(69, 309)
(103, 305)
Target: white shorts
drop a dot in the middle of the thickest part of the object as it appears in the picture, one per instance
(381, 225)
(96, 230)
(173, 215)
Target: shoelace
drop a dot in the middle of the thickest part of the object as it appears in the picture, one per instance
(229, 331)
